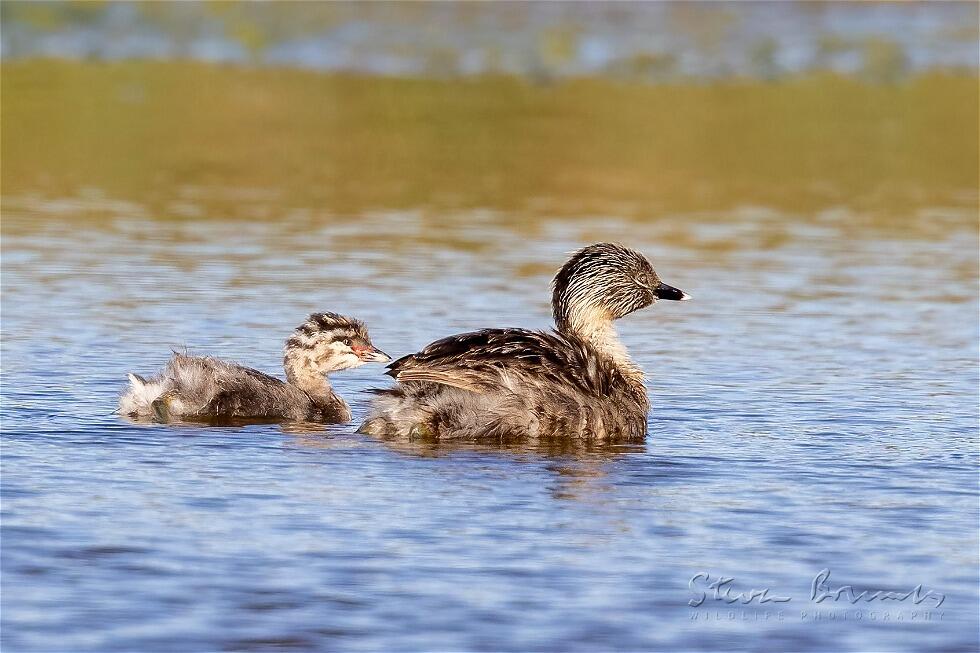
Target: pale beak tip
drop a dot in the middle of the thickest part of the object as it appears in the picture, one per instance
(373, 355)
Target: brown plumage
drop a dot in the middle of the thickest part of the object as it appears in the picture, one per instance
(196, 388)
(504, 384)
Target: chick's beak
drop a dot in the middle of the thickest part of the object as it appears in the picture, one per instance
(372, 354)
(663, 291)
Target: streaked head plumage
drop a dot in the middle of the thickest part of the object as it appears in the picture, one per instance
(329, 342)
(327, 326)
(606, 281)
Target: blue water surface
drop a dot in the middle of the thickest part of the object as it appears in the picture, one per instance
(814, 408)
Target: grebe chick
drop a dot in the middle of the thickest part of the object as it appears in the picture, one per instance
(502, 384)
(206, 388)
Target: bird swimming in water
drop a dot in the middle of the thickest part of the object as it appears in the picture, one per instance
(505, 384)
(195, 388)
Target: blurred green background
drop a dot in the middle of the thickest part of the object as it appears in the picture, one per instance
(245, 109)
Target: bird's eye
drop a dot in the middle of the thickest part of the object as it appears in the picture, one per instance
(347, 341)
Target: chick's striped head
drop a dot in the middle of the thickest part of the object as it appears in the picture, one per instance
(328, 342)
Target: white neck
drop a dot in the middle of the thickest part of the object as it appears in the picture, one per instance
(606, 341)
(597, 329)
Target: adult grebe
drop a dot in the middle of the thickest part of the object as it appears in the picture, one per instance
(577, 381)
(206, 388)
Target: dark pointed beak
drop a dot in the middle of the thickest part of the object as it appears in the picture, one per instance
(663, 291)
(373, 355)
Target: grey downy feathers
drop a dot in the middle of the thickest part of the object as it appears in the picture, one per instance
(210, 389)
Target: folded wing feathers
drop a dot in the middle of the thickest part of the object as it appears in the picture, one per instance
(455, 379)
(487, 359)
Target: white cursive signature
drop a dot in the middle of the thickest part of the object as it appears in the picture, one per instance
(722, 591)
(821, 591)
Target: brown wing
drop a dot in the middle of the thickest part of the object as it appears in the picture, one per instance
(479, 360)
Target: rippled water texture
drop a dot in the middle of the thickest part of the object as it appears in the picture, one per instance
(814, 407)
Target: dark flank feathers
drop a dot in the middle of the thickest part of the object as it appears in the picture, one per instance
(504, 384)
